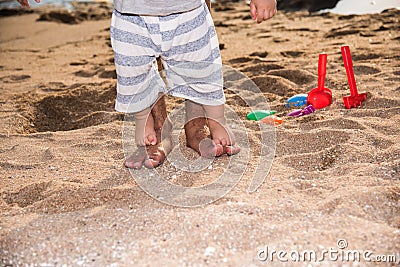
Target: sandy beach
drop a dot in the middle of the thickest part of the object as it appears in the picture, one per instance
(67, 200)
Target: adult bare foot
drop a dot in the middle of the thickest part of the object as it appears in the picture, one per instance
(153, 155)
(198, 137)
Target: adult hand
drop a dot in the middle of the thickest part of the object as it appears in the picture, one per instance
(261, 10)
(25, 3)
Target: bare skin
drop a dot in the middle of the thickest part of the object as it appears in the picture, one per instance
(196, 132)
(145, 134)
(154, 154)
(222, 139)
(25, 3)
(154, 150)
(261, 10)
(197, 137)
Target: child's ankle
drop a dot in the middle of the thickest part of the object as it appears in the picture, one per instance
(140, 122)
(215, 113)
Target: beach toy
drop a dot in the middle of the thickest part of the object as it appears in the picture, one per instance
(297, 100)
(295, 113)
(272, 120)
(259, 114)
(321, 96)
(301, 112)
(354, 99)
(308, 110)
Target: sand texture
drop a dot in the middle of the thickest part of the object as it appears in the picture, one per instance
(66, 199)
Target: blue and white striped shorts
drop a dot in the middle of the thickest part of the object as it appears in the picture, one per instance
(188, 47)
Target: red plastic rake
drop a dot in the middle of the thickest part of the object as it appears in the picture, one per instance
(354, 99)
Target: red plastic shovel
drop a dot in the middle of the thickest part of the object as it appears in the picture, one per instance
(354, 99)
(321, 96)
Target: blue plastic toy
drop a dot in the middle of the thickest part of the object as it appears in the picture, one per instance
(297, 100)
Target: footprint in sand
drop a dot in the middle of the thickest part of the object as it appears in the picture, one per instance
(374, 102)
(338, 33)
(240, 60)
(28, 195)
(297, 76)
(259, 54)
(275, 85)
(222, 7)
(260, 69)
(369, 56)
(63, 16)
(280, 40)
(311, 151)
(320, 161)
(263, 36)
(78, 63)
(53, 87)
(292, 54)
(302, 30)
(80, 107)
(14, 78)
(367, 34)
(365, 70)
(24, 156)
(87, 74)
(108, 74)
(222, 24)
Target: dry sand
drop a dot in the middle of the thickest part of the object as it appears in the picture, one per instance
(66, 200)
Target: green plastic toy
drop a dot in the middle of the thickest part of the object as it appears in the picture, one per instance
(260, 114)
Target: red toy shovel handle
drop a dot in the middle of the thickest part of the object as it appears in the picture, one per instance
(348, 64)
(322, 70)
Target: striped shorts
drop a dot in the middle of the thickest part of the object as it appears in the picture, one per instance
(188, 47)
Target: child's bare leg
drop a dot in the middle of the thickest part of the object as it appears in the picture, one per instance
(220, 132)
(153, 155)
(163, 129)
(145, 134)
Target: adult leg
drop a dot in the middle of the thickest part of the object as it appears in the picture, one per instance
(197, 134)
(153, 155)
(198, 137)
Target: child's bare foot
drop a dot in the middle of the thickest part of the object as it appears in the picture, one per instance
(149, 132)
(154, 153)
(145, 134)
(220, 132)
(222, 135)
